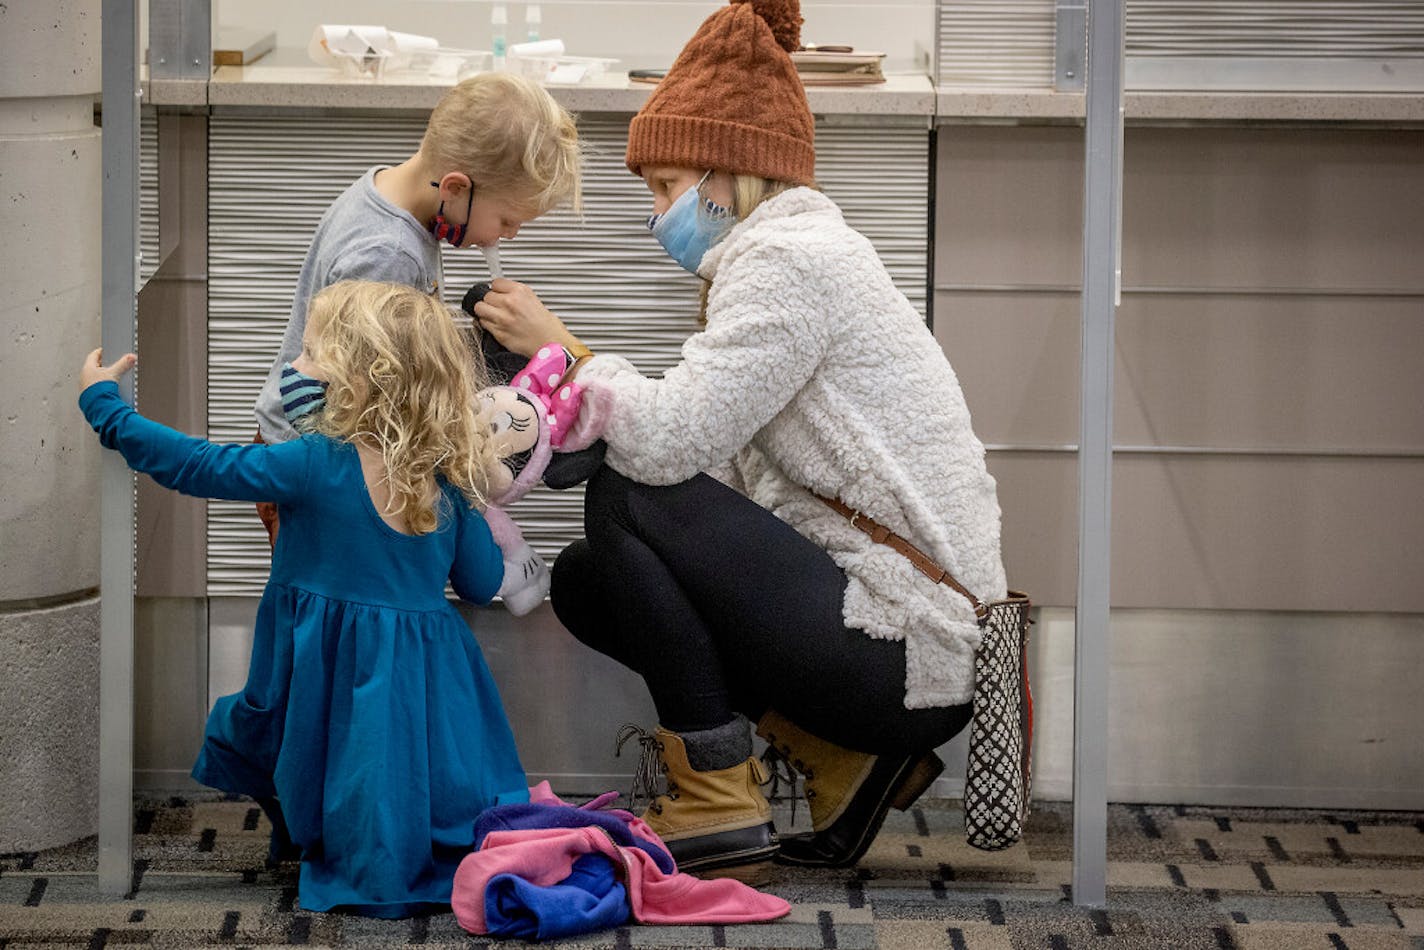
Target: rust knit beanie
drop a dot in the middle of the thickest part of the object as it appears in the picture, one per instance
(732, 100)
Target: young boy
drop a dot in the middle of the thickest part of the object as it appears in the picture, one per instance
(498, 152)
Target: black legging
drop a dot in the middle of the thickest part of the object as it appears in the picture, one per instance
(724, 608)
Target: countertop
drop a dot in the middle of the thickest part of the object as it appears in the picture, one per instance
(971, 105)
(909, 95)
(314, 87)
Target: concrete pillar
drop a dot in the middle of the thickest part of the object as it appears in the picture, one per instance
(50, 181)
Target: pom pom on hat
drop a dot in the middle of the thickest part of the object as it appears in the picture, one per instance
(732, 100)
(784, 18)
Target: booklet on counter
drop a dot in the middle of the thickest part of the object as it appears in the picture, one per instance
(838, 66)
(817, 66)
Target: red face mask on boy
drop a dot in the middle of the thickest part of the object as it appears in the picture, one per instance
(444, 230)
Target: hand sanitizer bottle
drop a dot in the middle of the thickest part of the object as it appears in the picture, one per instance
(533, 18)
(499, 19)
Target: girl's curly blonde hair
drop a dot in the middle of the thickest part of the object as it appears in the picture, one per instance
(401, 379)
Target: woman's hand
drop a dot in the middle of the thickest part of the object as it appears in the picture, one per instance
(94, 371)
(518, 318)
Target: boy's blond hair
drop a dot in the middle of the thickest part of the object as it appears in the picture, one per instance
(402, 379)
(510, 136)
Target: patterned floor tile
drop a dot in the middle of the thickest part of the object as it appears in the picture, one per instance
(1180, 878)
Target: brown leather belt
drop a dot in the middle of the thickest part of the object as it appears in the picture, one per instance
(923, 562)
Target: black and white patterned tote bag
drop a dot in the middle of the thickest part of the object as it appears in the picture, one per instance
(997, 781)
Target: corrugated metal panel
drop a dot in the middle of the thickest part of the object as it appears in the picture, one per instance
(147, 194)
(1299, 46)
(996, 43)
(1010, 43)
(1332, 28)
(270, 179)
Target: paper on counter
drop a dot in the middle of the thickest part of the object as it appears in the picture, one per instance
(331, 43)
(567, 74)
(538, 48)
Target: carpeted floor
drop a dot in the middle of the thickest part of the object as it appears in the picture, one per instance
(1178, 878)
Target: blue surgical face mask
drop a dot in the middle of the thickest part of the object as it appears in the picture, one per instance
(302, 397)
(691, 226)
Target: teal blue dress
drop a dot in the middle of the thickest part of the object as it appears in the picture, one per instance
(369, 712)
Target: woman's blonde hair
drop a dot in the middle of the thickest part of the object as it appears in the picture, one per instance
(402, 379)
(748, 191)
(510, 136)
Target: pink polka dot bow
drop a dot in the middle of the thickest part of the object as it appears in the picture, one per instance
(543, 378)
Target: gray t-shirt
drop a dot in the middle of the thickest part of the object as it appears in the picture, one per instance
(362, 236)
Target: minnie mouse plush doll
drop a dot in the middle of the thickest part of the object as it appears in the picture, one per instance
(572, 463)
(531, 418)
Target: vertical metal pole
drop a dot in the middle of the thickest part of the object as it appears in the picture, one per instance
(935, 64)
(180, 39)
(119, 265)
(1070, 38)
(1102, 235)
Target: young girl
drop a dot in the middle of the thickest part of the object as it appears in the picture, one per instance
(368, 710)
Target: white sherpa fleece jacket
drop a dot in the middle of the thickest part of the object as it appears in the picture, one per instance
(815, 372)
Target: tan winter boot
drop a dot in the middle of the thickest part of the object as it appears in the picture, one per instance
(715, 820)
(848, 792)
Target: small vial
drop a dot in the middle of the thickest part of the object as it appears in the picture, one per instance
(491, 255)
(533, 19)
(499, 19)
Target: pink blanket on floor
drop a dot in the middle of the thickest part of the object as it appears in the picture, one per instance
(545, 856)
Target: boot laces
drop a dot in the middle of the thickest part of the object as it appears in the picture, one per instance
(649, 772)
(780, 769)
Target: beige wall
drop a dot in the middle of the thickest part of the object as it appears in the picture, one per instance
(1272, 315)
(171, 538)
(170, 613)
(640, 32)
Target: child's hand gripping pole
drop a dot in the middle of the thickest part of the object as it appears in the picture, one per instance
(94, 371)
